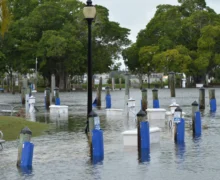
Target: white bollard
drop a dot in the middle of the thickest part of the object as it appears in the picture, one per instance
(31, 104)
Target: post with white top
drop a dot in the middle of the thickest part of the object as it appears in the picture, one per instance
(143, 136)
(47, 98)
(144, 100)
(179, 131)
(156, 103)
(57, 96)
(25, 148)
(202, 98)
(212, 100)
(31, 104)
(95, 138)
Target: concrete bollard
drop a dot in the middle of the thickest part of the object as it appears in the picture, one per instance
(127, 85)
(156, 103)
(179, 129)
(172, 84)
(47, 98)
(108, 98)
(144, 100)
(27, 103)
(95, 138)
(202, 98)
(113, 84)
(23, 92)
(57, 96)
(126, 93)
(29, 90)
(143, 136)
(25, 148)
(99, 93)
(212, 100)
(25, 82)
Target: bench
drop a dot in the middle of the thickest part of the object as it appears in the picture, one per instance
(1, 139)
(8, 109)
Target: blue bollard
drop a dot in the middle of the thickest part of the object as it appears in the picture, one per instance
(156, 103)
(26, 170)
(27, 154)
(213, 105)
(108, 101)
(57, 101)
(94, 104)
(145, 135)
(198, 124)
(145, 155)
(180, 131)
(145, 141)
(97, 146)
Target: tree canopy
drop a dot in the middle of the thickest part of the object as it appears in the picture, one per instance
(185, 39)
(55, 32)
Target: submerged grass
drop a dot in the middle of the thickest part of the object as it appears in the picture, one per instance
(11, 127)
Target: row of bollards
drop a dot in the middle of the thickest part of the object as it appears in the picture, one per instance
(179, 128)
(25, 97)
(212, 100)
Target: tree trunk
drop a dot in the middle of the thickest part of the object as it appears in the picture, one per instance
(140, 78)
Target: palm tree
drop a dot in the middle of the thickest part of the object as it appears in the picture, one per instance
(4, 17)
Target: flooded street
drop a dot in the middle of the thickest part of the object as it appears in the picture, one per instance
(62, 153)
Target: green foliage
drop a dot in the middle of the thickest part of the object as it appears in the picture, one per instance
(56, 33)
(186, 38)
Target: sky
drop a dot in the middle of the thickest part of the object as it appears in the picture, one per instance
(135, 14)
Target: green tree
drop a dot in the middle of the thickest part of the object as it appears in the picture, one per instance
(131, 60)
(5, 16)
(56, 33)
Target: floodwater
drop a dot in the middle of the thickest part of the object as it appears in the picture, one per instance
(62, 153)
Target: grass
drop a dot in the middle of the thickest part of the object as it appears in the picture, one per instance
(11, 127)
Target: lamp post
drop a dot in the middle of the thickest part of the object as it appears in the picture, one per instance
(148, 67)
(89, 12)
(36, 74)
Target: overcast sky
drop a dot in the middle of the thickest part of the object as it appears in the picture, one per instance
(135, 14)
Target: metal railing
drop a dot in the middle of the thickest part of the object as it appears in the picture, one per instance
(7, 109)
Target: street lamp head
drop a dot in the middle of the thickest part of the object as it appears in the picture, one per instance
(89, 10)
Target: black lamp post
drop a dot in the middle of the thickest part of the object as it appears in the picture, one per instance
(148, 69)
(89, 12)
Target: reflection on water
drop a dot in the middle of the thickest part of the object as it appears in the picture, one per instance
(180, 150)
(25, 171)
(63, 152)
